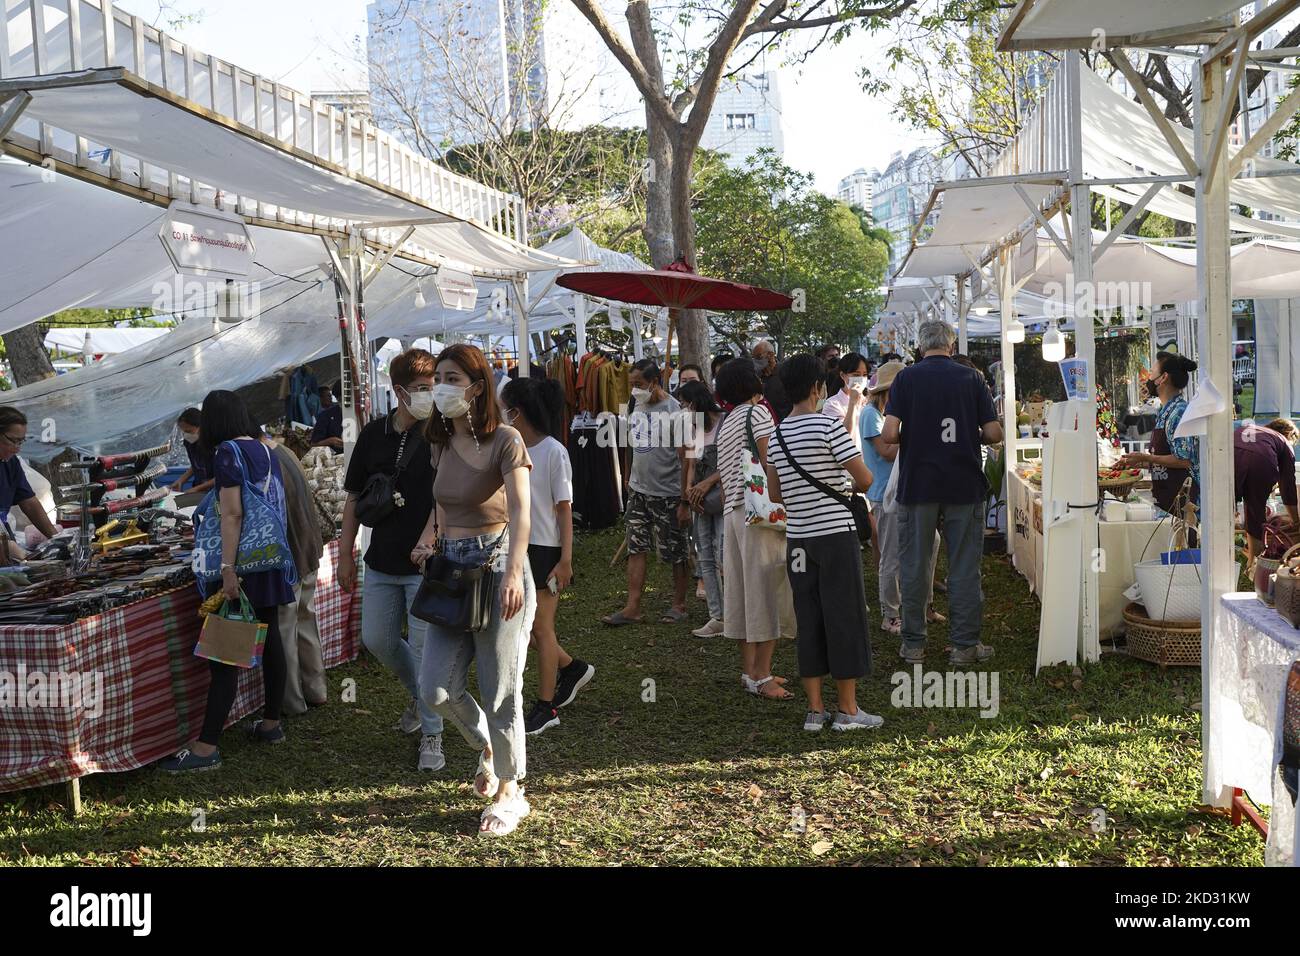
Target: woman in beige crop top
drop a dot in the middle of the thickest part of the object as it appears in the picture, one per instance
(481, 498)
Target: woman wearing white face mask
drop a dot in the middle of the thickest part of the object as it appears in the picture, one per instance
(482, 517)
(846, 404)
(200, 470)
(395, 446)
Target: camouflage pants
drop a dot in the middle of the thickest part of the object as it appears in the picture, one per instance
(650, 518)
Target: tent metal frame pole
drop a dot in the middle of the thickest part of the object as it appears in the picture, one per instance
(519, 285)
(1010, 433)
(962, 309)
(1285, 390)
(1085, 348)
(1214, 316)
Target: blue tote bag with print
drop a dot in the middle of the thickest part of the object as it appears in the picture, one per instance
(263, 540)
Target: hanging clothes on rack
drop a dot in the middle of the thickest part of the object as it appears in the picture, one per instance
(597, 479)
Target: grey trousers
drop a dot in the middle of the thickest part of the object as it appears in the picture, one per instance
(708, 558)
(300, 638)
(890, 552)
(963, 534)
(500, 650)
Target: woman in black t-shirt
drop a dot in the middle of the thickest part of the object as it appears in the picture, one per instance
(391, 580)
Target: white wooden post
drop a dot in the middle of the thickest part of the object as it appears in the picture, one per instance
(1085, 348)
(520, 286)
(580, 322)
(1218, 562)
(1007, 310)
(1285, 394)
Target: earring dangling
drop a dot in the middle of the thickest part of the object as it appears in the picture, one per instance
(469, 417)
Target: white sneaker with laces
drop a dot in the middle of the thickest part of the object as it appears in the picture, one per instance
(814, 721)
(431, 757)
(409, 722)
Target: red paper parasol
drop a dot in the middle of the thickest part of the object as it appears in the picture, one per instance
(677, 287)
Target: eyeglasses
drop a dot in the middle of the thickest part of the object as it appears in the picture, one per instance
(16, 442)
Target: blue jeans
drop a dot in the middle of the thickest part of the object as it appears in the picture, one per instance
(385, 602)
(708, 560)
(500, 650)
(963, 536)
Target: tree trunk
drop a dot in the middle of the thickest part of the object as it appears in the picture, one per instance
(658, 230)
(693, 330)
(25, 349)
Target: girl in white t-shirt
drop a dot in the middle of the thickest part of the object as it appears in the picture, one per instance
(535, 406)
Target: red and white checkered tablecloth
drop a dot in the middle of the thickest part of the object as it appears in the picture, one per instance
(134, 691)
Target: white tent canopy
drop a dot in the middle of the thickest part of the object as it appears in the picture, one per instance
(100, 341)
(1068, 24)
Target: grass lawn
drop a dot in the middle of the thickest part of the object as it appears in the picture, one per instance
(704, 774)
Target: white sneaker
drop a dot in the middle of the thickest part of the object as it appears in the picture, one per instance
(431, 757)
(409, 722)
(712, 629)
(814, 721)
(859, 721)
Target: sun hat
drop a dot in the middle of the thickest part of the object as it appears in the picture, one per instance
(885, 376)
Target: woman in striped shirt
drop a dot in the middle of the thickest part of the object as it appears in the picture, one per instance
(813, 465)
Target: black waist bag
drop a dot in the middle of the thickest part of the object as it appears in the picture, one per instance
(456, 596)
(380, 498)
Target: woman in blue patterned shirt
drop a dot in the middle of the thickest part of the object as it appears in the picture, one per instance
(1170, 459)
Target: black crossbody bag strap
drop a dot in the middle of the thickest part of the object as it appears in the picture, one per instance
(821, 486)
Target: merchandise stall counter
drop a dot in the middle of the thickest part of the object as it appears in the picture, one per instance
(122, 689)
(1123, 544)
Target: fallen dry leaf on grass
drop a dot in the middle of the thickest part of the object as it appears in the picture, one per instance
(821, 847)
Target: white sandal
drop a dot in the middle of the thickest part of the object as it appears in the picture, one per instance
(508, 812)
(489, 778)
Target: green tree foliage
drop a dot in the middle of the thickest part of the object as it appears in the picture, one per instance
(765, 225)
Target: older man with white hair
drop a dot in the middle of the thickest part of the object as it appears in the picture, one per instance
(939, 413)
(764, 354)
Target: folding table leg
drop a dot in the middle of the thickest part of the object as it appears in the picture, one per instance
(74, 797)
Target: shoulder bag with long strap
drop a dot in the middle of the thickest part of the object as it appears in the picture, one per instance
(381, 497)
(856, 504)
(456, 595)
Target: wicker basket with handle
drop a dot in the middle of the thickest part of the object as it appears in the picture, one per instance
(1286, 589)
(1166, 643)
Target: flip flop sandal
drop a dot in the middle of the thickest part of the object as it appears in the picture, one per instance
(618, 619)
(758, 690)
(489, 778)
(507, 812)
(673, 616)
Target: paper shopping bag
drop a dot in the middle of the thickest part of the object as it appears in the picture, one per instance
(233, 635)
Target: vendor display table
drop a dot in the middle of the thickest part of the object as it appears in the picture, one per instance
(1123, 544)
(1252, 652)
(151, 688)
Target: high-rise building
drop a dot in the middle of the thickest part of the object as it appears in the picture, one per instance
(746, 117)
(354, 101)
(857, 187)
(443, 71)
(902, 192)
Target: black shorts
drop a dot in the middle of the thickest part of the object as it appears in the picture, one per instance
(542, 559)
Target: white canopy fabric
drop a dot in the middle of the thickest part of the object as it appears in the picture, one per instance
(1069, 24)
(979, 214)
(102, 341)
(117, 109)
(68, 244)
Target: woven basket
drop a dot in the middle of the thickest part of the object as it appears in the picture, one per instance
(1166, 643)
(1119, 488)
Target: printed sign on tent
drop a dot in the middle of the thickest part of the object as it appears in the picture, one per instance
(456, 289)
(207, 242)
(616, 318)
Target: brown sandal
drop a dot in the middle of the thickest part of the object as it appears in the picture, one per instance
(758, 691)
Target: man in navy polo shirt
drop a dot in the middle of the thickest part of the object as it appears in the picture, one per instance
(940, 413)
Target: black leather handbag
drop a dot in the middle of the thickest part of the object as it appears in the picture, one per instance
(381, 496)
(458, 596)
(856, 504)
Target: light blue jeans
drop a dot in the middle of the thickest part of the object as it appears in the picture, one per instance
(500, 650)
(385, 603)
(708, 560)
